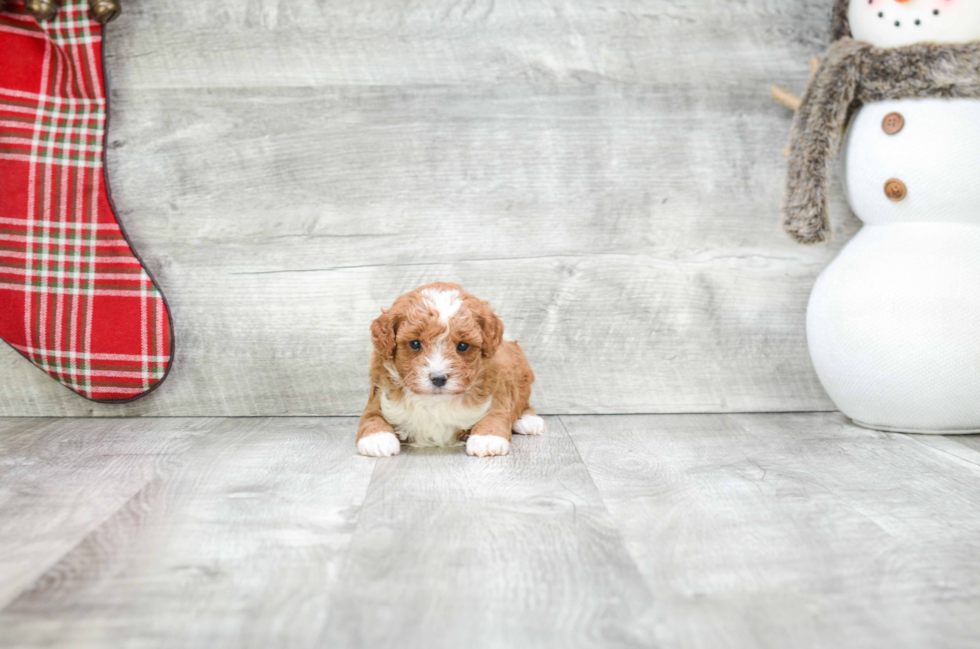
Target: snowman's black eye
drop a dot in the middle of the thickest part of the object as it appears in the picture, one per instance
(416, 345)
(935, 12)
(462, 347)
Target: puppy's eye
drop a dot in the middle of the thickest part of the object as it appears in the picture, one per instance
(462, 347)
(416, 345)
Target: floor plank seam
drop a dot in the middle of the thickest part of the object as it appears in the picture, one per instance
(605, 507)
(158, 475)
(343, 565)
(5, 606)
(960, 447)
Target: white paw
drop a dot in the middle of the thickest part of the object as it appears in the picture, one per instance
(487, 445)
(379, 445)
(529, 425)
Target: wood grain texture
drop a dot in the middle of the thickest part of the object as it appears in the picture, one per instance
(61, 479)
(632, 531)
(315, 43)
(238, 546)
(519, 551)
(793, 530)
(608, 174)
(970, 441)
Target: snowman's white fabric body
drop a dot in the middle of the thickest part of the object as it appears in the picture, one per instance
(893, 323)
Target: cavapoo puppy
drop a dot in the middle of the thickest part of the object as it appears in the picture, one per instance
(441, 369)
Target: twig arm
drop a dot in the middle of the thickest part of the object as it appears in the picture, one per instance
(785, 97)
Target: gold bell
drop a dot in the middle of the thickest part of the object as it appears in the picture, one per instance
(105, 11)
(42, 9)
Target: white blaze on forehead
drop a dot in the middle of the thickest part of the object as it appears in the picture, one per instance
(446, 303)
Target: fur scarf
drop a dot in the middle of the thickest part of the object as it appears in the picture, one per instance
(851, 74)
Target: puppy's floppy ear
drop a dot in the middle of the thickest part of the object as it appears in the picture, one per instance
(492, 328)
(383, 331)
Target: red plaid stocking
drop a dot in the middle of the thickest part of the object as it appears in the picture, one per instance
(74, 298)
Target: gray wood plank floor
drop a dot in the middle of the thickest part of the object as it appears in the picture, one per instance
(616, 531)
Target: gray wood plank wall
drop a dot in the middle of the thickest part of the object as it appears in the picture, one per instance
(607, 173)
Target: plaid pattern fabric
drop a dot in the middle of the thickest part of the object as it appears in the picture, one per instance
(74, 298)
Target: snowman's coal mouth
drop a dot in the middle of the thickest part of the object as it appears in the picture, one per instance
(917, 22)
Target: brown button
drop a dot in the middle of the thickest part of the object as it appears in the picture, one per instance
(893, 123)
(895, 190)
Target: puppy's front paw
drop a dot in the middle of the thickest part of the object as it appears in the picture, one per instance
(529, 425)
(379, 445)
(487, 445)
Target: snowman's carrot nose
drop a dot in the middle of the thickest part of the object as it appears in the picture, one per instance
(901, 0)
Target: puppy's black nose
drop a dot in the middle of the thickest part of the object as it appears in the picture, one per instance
(438, 380)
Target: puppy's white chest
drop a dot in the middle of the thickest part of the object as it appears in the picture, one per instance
(431, 420)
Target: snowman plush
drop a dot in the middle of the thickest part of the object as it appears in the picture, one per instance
(893, 323)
